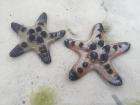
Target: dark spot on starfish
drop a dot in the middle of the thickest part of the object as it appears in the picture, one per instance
(100, 30)
(43, 34)
(101, 43)
(38, 29)
(42, 49)
(93, 55)
(72, 43)
(115, 47)
(39, 39)
(24, 44)
(23, 101)
(110, 71)
(101, 27)
(81, 44)
(104, 57)
(62, 33)
(107, 66)
(31, 31)
(99, 36)
(80, 70)
(92, 46)
(41, 24)
(31, 37)
(120, 46)
(73, 75)
(106, 48)
(52, 35)
(66, 43)
(85, 64)
(23, 29)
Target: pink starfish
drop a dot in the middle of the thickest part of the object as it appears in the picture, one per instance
(96, 54)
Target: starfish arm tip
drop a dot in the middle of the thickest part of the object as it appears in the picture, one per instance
(15, 26)
(72, 75)
(60, 34)
(44, 54)
(45, 59)
(17, 51)
(42, 18)
(117, 82)
(128, 45)
(66, 43)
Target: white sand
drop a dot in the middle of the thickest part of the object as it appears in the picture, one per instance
(18, 74)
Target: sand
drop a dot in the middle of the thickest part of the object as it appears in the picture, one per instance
(19, 76)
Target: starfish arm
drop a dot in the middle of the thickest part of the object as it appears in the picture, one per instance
(97, 32)
(42, 20)
(44, 54)
(76, 45)
(18, 28)
(81, 68)
(117, 49)
(109, 73)
(19, 49)
(54, 36)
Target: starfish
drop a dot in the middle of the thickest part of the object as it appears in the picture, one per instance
(96, 54)
(35, 38)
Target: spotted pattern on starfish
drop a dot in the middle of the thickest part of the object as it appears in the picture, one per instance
(35, 38)
(96, 54)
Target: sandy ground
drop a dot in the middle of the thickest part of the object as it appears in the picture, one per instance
(19, 76)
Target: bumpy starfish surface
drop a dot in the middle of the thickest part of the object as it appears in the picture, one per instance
(35, 38)
(95, 54)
